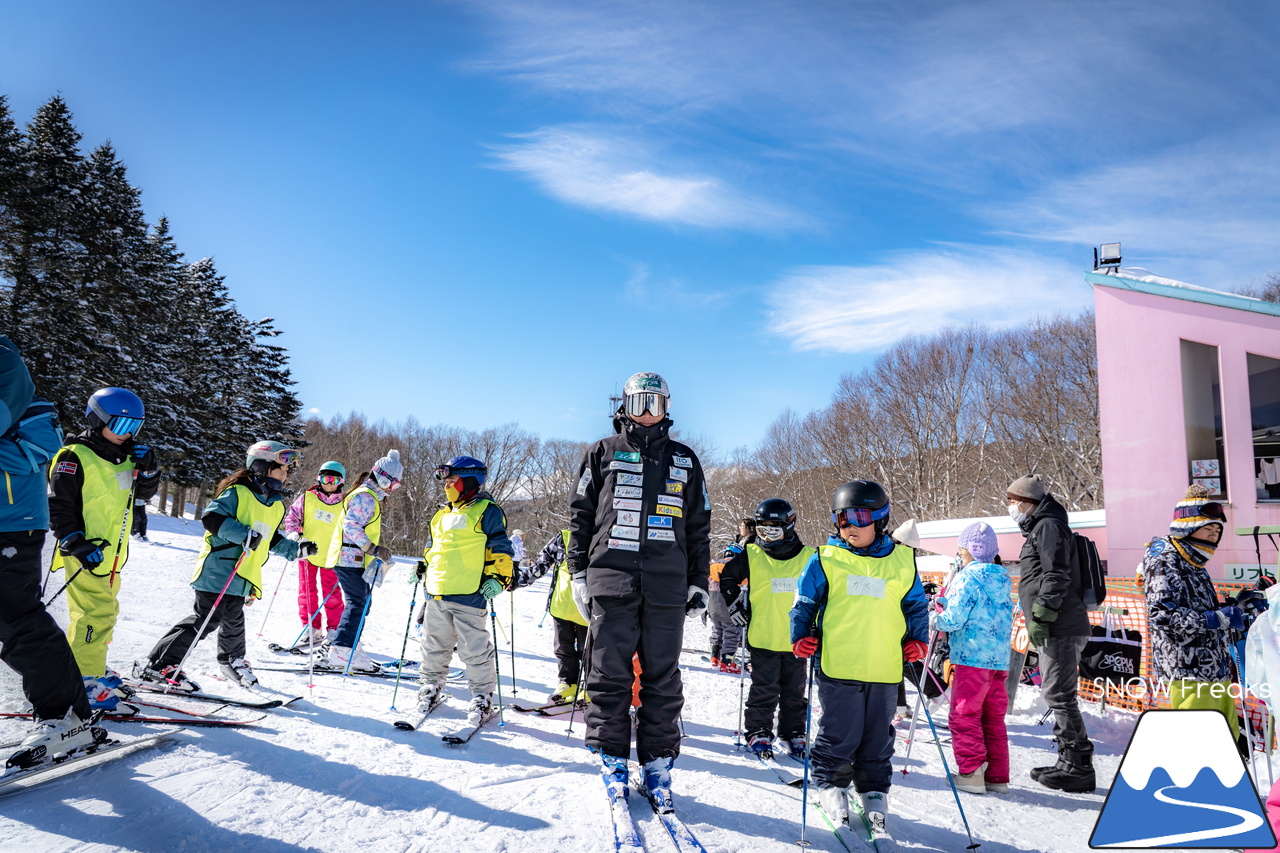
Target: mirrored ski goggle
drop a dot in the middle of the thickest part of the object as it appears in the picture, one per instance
(857, 516)
(1209, 510)
(654, 404)
(394, 484)
(769, 532)
(330, 479)
(285, 457)
(125, 425)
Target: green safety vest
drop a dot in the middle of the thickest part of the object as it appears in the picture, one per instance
(318, 522)
(106, 507)
(772, 593)
(455, 560)
(562, 606)
(863, 624)
(373, 529)
(252, 513)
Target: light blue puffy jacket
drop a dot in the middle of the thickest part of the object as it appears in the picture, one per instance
(979, 616)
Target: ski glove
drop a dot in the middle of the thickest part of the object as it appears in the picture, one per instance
(696, 604)
(1252, 602)
(1224, 618)
(941, 603)
(738, 613)
(307, 548)
(254, 540)
(144, 458)
(419, 572)
(578, 587)
(490, 588)
(804, 647)
(88, 553)
(914, 650)
(1037, 633)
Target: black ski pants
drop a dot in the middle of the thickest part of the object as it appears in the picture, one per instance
(570, 639)
(855, 738)
(228, 620)
(31, 643)
(777, 684)
(620, 627)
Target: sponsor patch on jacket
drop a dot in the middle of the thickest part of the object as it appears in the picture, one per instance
(584, 481)
(628, 492)
(659, 521)
(626, 503)
(625, 456)
(678, 474)
(682, 461)
(670, 500)
(624, 532)
(323, 516)
(663, 535)
(861, 585)
(675, 487)
(630, 480)
(669, 510)
(623, 545)
(66, 467)
(629, 517)
(787, 585)
(706, 498)
(626, 466)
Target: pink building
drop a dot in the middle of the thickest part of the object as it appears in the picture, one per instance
(1189, 388)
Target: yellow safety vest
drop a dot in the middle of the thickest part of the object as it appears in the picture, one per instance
(455, 560)
(863, 624)
(562, 606)
(373, 529)
(252, 513)
(318, 521)
(772, 593)
(106, 506)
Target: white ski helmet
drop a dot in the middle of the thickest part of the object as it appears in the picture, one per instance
(645, 392)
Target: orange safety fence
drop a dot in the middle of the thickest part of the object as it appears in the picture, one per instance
(1127, 608)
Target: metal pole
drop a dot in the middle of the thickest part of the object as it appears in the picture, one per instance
(808, 721)
(512, 596)
(244, 551)
(368, 599)
(497, 670)
(272, 602)
(413, 603)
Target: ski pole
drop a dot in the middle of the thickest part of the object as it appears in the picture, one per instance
(973, 845)
(413, 602)
(272, 602)
(1244, 708)
(244, 552)
(584, 669)
(911, 730)
(314, 616)
(368, 599)
(497, 670)
(742, 669)
(74, 575)
(124, 529)
(512, 597)
(808, 720)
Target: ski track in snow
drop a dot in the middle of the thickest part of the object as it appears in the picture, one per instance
(330, 773)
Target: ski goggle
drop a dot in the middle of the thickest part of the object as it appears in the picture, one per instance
(1212, 510)
(125, 425)
(284, 457)
(856, 516)
(330, 479)
(443, 472)
(770, 532)
(647, 401)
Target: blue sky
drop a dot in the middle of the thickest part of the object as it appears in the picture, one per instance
(515, 205)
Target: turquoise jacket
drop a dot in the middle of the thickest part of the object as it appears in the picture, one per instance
(29, 437)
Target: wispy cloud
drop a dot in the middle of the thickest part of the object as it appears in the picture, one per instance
(642, 290)
(863, 309)
(603, 171)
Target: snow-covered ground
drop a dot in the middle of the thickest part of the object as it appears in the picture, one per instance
(331, 773)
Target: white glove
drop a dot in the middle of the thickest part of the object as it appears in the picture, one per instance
(696, 604)
(375, 573)
(578, 586)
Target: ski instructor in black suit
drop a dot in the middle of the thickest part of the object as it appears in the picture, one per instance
(639, 555)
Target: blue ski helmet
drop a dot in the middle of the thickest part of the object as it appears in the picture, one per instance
(464, 466)
(116, 409)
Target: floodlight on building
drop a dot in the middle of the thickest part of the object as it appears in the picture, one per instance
(1107, 258)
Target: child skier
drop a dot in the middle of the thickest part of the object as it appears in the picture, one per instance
(241, 532)
(467, 563)
(861, 592)
(770, 565)
(977, 613)
(314, 515)
(362, 560)
(570, 627)
(725, 633)
(93, 482)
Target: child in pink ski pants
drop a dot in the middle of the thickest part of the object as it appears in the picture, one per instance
(312, 516)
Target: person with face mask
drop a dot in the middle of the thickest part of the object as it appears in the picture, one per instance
(242, 530)
(1057, 626)
(770, 565)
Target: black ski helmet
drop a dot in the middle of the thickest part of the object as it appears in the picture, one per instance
(775, 512)
(864, 495)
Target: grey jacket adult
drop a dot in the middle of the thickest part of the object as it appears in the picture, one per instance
(639, 516)
(1050, 576)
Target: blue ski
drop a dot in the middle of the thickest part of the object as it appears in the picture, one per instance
(626, 835)
(681, 836)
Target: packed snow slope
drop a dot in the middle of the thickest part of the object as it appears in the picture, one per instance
(331, 773)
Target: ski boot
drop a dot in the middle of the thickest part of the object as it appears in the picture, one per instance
(761, 743)
(835, 802)
(169, 677)
(730, 666)
(563, 694)
(429, 696)
(240, 672)
(657, 781)
(614, 771)
(101, 697)
(796, 746)
(339, 657)
(875, 804)
(48, 740)
(480, 709)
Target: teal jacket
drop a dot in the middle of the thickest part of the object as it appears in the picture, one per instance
(29, 437)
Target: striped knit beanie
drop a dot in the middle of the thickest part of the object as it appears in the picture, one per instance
(1194, 512)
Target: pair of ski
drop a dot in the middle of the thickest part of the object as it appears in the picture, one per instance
(456, 738)
(626, 833)
(199, 695)
(387, 670)
(550, 709)
(20, 779)
(882, 843)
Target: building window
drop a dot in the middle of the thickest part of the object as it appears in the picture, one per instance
(1202, 412)
(1264, 408)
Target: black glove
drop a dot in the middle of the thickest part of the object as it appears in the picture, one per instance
(88, 553)
(144, 458)
(420, 570)
(255, 539)
(738, 613)
(382, 552)
(307, 548)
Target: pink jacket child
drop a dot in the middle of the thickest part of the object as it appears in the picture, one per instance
(1273, 815)
(314, 515)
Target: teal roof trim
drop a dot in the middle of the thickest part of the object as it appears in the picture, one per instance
(1187, 294)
